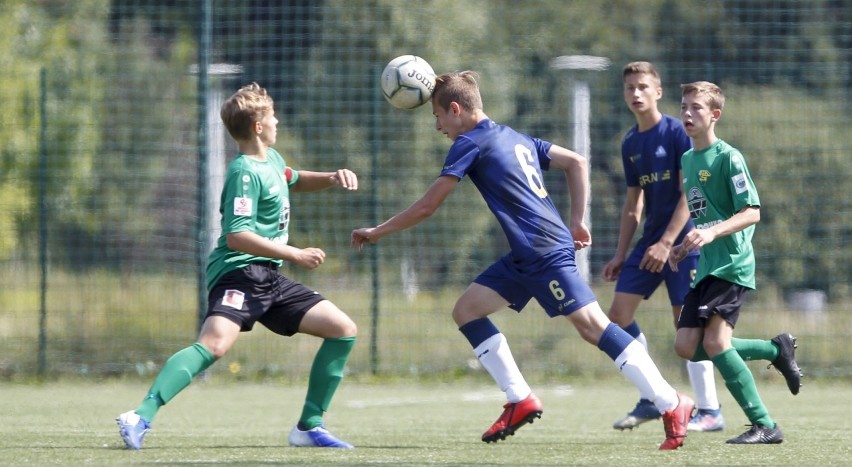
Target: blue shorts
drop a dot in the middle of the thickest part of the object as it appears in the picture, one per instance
(637, 281)
(553, 280)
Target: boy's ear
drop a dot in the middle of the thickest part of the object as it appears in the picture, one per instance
(717, 114)
(455, 108)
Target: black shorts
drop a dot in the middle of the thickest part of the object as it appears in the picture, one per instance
(258, 293)
(711, 296)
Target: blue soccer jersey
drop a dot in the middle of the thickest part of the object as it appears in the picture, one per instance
(652, 161)
(506, 168)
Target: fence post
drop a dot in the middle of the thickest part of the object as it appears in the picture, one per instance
(42, 223)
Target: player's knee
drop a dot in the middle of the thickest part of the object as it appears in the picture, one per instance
(713, 347)
(349, 328)
(620, 317)
(341, 326)
(462, 316)
(217, 348)
(683, 349)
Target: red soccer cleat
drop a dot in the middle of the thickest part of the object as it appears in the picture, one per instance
(515, 415)
(675, 421)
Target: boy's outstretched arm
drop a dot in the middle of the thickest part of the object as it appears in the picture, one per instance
(411, 216)
(315, 181)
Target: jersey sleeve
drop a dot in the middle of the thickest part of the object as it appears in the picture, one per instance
(463, 155)
(240, 197)
(743, 191)
(631, 174)
(542, 148)
(291, 175)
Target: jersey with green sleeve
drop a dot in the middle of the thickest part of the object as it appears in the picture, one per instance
(255, 198)
(717, 185)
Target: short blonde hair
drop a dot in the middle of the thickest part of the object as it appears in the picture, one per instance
(711, 93)
(459, 87)
(636, 68)
(243, 109)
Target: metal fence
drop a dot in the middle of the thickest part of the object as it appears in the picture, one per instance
(113, 153)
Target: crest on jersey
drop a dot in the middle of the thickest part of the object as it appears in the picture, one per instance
(703, 176)
(697, 203)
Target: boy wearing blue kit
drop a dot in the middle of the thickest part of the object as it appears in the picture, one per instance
(650, 154)
(506, 167)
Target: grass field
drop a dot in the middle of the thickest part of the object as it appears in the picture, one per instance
(401, 423)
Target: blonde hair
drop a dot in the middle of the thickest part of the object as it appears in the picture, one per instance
(459, 87)
(711, 93)
(243, 109)
(636, 68)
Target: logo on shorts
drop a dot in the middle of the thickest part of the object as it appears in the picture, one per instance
(234, 299)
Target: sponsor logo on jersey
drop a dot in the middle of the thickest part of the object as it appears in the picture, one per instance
(696, 202)
(707, 225)
(655, 177)
(242, 206)
(740, 183)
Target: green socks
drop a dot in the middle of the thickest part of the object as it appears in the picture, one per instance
(755, 349)
(740, 383)
(176, 375)
(326, 373)
(182, 367)
(749, 349)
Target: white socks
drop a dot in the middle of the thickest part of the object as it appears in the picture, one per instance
(494, 355)
(635, 363)
(703, 383)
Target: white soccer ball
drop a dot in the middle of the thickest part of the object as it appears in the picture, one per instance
(408, 82)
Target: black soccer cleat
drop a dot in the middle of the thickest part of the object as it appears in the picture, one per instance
(759, 434)
(786, 361)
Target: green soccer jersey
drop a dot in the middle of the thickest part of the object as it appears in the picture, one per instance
(717, 185)
(255, 198)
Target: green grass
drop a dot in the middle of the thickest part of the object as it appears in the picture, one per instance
(400, 423)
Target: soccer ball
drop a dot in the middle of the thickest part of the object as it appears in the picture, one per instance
(408, 82)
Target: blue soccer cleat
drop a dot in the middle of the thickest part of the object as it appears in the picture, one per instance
(645, 411)
(132, 428)
(317, 437)
(707, 420)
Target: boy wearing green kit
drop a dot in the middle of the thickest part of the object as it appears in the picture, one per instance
(725, 207)
(244, 284)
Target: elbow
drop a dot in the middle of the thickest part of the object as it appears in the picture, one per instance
(233, 241)
(424, 212)
(755, 215)
(581, 164)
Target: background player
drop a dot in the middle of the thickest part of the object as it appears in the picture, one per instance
(725, 206)
(650, 154)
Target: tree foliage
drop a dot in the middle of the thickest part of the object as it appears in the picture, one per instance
(122, 113)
